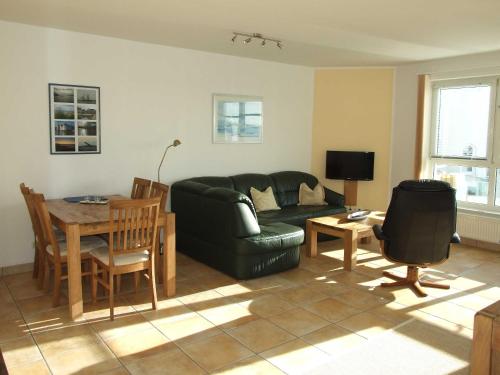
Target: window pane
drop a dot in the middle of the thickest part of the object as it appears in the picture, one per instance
(471, 183)
(497, 197)
(462, 121)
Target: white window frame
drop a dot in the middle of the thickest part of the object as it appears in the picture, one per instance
(492, 159)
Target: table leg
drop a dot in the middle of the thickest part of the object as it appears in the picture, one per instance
(74, 271)
(169, 256)
(311, 240)
(350, 249)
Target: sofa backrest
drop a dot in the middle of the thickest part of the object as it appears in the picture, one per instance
(243, 183)
(213, 181)
(287, 186)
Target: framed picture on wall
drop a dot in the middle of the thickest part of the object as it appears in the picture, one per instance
(237, 119)
(75, 119)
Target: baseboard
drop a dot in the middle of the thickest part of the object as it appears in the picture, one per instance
(18, 268)
(480, 244)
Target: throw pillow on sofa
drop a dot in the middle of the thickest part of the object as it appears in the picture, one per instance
(311, 197)
(264, 200)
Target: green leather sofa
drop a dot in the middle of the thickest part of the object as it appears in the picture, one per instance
(216, 222)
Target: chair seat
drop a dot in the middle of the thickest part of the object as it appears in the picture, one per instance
(102, 254)
(87, 244)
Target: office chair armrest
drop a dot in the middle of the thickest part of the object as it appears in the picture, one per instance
(377, 230)
(455, 238)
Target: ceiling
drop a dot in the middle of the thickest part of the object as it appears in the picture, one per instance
(320, 33)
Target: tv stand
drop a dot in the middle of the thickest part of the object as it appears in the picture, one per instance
(351, 192)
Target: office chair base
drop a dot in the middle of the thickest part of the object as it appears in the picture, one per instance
(412, 280)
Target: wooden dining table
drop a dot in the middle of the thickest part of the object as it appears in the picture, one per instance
(78, 220)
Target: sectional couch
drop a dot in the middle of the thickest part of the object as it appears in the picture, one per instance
(216, 222)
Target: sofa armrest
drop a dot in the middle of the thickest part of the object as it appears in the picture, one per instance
(333, 198)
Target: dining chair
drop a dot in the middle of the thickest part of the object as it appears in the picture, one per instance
(130, 248)
(38, 261)
(55, 252)
(140, 188)
(159, 190)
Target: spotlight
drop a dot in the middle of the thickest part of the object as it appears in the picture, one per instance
(233, 38)
(248, 40)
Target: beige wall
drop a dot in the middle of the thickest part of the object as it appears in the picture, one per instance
(353, 112)
(150, 94)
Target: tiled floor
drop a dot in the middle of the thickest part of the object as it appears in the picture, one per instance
(316, 319)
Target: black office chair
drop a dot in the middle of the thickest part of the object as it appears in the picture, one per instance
(418, 229)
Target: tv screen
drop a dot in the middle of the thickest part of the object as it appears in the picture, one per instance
(349, 165)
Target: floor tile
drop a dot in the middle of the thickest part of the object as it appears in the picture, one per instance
(55, 341)
(20, 352)
(33, 368)
(451, 312)
(216, 351)
(38, 304)
(359, 299)
(171, 362)
(227, 316)
(367, 324)
(121, 325)
(298, 321)
(333, 339)
(190, 328)
(296, 357)
(260, 335)
(300, 295)
(89, 359)
(331, 309)
(139, 344)
(13, 329)
(250, 366)
(266, 305)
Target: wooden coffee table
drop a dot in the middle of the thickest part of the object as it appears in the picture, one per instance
(340, 226)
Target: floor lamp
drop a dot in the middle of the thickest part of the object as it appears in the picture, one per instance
(175, 143)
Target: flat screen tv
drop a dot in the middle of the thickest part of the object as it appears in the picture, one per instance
(349, 165)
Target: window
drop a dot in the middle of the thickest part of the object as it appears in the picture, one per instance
(465, 140)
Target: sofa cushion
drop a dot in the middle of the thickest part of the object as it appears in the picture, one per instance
(272, 237)
(243, 183)
(264, 200)
(287, 186)
(311, 197)
(296, 215)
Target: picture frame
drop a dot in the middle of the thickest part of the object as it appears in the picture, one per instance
(237, 119)
(74, 119)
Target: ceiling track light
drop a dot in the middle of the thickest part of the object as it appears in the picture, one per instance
(263, 40)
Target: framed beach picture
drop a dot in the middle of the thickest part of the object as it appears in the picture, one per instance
(75, 119)
(237, 119)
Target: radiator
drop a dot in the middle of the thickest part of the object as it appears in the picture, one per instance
(478, 227)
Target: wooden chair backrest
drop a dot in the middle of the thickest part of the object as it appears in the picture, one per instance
(47, 235)
(25, 191)
(136, 223)
(159, 190)
(140, 188)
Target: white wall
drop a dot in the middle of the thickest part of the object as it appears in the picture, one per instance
(150, 95)
(405, 102)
